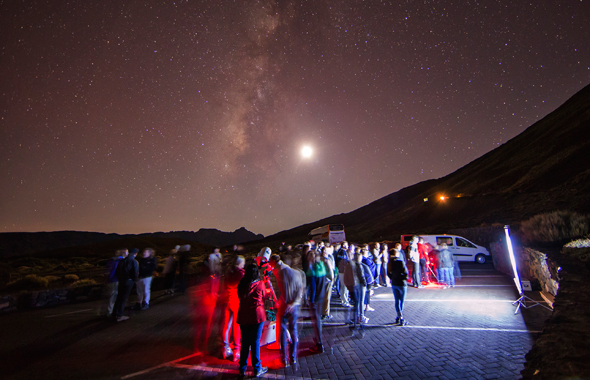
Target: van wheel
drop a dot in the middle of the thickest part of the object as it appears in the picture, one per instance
(480, 258)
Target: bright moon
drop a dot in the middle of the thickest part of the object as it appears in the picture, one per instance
(306, 151)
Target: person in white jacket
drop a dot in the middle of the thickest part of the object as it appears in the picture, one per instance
(415, 258)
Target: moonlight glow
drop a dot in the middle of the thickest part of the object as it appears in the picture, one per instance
(306, 151)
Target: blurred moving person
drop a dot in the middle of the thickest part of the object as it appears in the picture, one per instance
(183, 267)
(291, 284)
(170, 271)
(368, 266)
(328, 259)
(231, 329)
(316, 274)
(127, 272)
(356, 282)
(343, 257)
(112, 287)
(143, 285)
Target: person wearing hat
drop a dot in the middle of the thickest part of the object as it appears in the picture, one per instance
(127, 273)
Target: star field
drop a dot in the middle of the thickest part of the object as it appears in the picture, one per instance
(135, 117)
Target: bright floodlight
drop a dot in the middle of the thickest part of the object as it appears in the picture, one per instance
(522, 300)
(513, 260)
(306, 151)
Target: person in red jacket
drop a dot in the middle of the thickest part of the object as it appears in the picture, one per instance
(424, 261)
(251, 317)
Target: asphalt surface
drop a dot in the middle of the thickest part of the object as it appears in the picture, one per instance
(467, 332)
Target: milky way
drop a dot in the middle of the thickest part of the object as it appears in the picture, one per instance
(158, 116)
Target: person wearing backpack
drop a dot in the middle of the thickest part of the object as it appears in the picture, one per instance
(127, 273)
(112, 282)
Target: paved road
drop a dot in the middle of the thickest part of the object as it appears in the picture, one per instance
(468, 332)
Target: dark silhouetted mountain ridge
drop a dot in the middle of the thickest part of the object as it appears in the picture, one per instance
(27, 243)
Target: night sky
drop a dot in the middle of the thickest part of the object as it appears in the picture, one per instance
(161, 115)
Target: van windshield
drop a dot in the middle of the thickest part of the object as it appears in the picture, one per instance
(464, 243)
(444, 239)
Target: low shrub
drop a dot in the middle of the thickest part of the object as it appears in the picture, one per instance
(582, 254)
(580, 243)
(29, 282)
(552, 227)
(84, 282)
(52, 278)
(71, 277)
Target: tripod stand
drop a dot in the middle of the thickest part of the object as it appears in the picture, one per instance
(522, 301)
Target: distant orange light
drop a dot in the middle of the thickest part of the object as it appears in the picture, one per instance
(442, 198)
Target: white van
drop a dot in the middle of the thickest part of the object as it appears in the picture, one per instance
(461, 248)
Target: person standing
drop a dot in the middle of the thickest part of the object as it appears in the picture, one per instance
(183, 267)
(369, 276)
(402, 255)
(127, 272)
(398, 275)
(112, 281)
(446, 266)
(143, 285)
(328, 259)
(423, 250)
(378, 260)
(170, 271)
(342, 258)
(355, 280)
(339, 254)
(231, 302)
(213, 265)
(251, 317)
(415, 258)
(316, 274)
(291, 284)
(383, 277)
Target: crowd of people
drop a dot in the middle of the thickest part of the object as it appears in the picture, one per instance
(277, 286)
(310, 276)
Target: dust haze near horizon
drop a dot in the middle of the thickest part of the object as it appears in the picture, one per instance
(158, 116)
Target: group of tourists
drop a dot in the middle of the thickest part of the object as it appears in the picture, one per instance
(124, 271)
(248, 292)
(351, 273)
